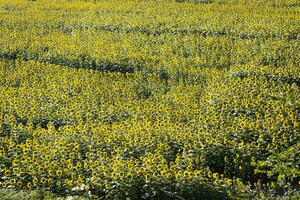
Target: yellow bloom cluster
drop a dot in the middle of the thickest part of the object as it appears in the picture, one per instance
(151, 98)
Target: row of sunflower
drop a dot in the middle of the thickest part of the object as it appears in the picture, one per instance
(124, 99)
(67, 35)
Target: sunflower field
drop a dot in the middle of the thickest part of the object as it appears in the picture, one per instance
(150, 99)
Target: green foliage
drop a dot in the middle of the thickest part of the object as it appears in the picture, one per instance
(142, 89)
(5, 129)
